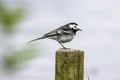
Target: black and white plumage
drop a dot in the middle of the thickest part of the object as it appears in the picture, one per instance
(62, 34)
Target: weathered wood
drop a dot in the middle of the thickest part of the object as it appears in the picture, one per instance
(69, 64)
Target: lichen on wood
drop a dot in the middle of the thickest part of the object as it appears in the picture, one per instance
(69, 64)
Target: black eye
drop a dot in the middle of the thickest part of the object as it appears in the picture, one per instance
(74, 27)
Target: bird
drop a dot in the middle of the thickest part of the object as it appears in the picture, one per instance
(62, 34)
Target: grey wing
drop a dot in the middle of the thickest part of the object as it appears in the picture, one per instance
(57, 31)
(64, 30)
(52, 33)
(61, 30)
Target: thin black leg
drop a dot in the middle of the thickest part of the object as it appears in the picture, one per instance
(61, 44)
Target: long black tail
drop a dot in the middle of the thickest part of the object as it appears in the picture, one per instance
(36, 39)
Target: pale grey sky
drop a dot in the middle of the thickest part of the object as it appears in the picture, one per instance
(100, 39)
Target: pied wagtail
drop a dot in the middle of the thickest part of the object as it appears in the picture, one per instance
(62, 34)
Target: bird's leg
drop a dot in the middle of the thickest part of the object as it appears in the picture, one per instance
(61, 44)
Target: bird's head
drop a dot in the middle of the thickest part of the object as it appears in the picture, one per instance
(74, 26)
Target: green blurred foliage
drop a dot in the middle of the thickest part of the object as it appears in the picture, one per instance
(16, 58)
(88, 77)
(10, 17)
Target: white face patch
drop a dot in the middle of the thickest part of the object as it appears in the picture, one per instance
(71, 26)
(75, 27)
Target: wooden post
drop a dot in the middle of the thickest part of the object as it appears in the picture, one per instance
(69, 64)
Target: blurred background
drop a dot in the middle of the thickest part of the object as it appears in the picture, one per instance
(24, 20)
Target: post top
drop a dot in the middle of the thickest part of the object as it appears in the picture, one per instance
(69, 50)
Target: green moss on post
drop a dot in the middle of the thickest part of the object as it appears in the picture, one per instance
(69, 64)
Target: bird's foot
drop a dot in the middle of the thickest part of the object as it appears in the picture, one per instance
(65, 48)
